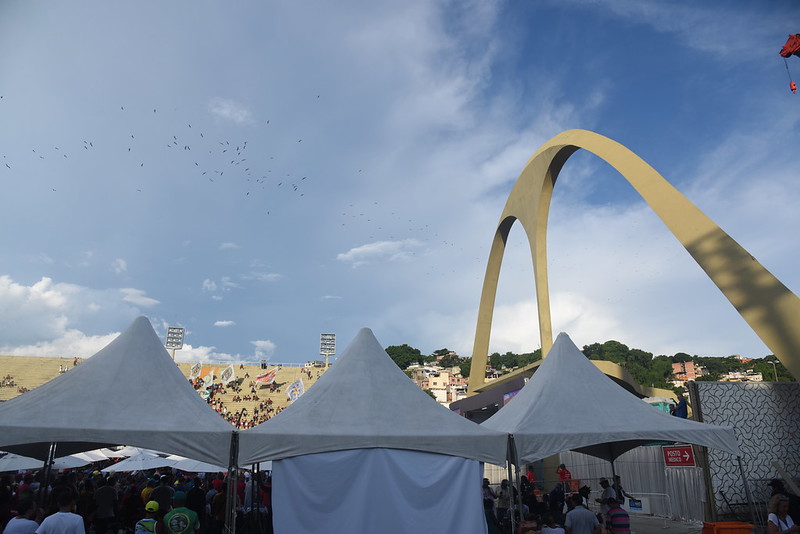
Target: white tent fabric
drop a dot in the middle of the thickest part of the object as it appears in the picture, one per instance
(193, 466)
(365, 401)
(569, 404)
(14, 462)
(131, 392)
(139, 462)
(377, 490)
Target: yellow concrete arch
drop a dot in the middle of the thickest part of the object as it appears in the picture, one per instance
(771, 310)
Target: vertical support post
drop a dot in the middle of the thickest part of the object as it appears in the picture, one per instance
(747, 491)
(230, 502)
(47, 468)
(509, 456)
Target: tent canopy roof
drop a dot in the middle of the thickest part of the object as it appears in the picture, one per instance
(569, 404)
(366, 401)
(130, 392)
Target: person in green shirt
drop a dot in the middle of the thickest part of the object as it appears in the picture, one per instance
(181, 520)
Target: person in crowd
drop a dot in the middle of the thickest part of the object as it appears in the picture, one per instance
(196, 500)
(617, 519)
(608, 493)
(488, 492)
(492, 525)
(778, 488)
(25, 522)
(85, 503)
(550, 526)
(218, 504)
(620, 491)
(180, 520)
(148, 489)
(63, 521)
(563, 474)
(530, 475)
(131, 507)
(150, 524)
(581, 520)
(681, 408)
(163, 495)
(5, 500)
(779, 521)
(105, 500)
(555, 501)
(503, 500)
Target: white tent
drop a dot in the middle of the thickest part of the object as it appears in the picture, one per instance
(139, 462)
(131, 392)
(366, 450)
(569, 404)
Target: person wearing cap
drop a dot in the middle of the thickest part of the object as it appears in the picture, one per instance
(181, 520)
(608, 493)
(150, 524)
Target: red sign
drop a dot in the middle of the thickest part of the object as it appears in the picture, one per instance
(678, 456)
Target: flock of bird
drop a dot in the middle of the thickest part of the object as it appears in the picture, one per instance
(213, 160)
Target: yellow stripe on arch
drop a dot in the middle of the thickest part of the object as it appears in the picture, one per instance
(771, 310)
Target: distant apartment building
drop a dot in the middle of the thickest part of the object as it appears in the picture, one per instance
(742, 376)
(447, 385)
(683, 372)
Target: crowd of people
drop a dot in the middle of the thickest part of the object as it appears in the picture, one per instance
(160, 501)
(559, 511)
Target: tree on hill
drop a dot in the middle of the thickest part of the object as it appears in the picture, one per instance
(405, 355)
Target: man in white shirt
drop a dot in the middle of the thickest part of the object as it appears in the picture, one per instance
(63, 521)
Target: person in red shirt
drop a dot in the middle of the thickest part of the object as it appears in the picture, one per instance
(563, 473)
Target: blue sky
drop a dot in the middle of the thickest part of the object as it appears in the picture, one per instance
(260, 173)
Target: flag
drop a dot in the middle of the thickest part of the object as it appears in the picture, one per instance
(195, 372)
(294, 391)
(268, 377)
(228, 375)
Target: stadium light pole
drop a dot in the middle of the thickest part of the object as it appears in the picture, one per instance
(174, 339)
(327, 347)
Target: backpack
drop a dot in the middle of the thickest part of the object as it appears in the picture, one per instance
(146, 526)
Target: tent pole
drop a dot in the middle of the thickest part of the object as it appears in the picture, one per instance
(230, 506)
(747, 491)
(46, 468)
(255, 509)
(509, 455)
(519, 485)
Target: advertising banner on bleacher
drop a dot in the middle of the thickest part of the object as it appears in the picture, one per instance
(228, 375)
(268, 377)
(294, 391)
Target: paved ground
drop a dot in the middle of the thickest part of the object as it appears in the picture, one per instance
(641, 524)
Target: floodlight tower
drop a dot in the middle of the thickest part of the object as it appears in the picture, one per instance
(174, 339)
(327, 347)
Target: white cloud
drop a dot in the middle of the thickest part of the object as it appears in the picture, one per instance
(209, 285)
(330, 297)
(224, 323)
(230, 110)
(70, 343)
(216, 297)
(228, 246)
(137, 297)
(264, 349)
(119, 266)
(227, 284)
(379, 251)
(262, 276)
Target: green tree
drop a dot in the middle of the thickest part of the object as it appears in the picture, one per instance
(405, 355)
(466, 365)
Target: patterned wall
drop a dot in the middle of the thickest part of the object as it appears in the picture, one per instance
(766, 417)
